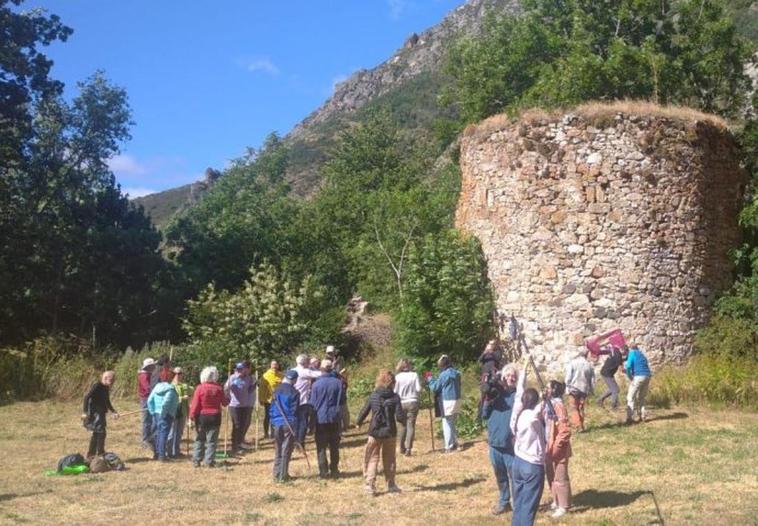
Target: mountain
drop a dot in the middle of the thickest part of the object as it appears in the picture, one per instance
(406, 84)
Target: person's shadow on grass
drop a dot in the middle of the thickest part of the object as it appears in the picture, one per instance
(622, 423)
(448, 486)
(598, 499)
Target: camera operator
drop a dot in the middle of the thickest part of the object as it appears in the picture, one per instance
(499, 392)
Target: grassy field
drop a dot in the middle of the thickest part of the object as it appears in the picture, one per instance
(682, 467)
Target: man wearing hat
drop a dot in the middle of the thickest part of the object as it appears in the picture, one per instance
(240, 388)
(328, 398)
(144, 386)
(284, 405)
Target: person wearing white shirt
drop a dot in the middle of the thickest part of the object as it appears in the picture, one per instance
(408, 388)
(305, 378)
(528, 468)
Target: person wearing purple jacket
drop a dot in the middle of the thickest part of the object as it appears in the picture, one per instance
(240, 388)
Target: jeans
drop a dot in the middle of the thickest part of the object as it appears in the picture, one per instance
(97, 444)
(303, 419)
(206, 439)
(328, 436)
(240, 424)
(408, 431)
(267, 429)
(613, 391)
(162, 428)
(635, 397)
(528, 481)
(284, 443)
(375, 446)
(449, 433)
(147, 422)
(502, 462)
(175, 436)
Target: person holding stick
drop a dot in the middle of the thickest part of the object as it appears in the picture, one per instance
(448, 387)
(499, 396)
(240, 389)
(408, 388)
(97, 403)
(269, 382)
(144, 386)
(205, 415)
(528, 469)
(284, 415)
(184, 392)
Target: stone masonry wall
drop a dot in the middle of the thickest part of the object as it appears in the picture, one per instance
(604, 219)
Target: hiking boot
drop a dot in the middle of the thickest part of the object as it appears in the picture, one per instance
(499, 510)
(558, 513)
(369, 490)
(394, 488)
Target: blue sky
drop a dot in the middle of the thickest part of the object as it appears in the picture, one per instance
(208, 79)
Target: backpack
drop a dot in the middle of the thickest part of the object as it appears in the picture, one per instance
(382, 427)
(114, 461)
(98, 465)
(74, 459)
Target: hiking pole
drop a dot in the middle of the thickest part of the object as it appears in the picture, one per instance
(226, 427)
(515, 329)
(431, 418)
(129, 413)
(294, 437)
(257, 406)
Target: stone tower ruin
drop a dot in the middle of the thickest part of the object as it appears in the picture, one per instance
(609, 216)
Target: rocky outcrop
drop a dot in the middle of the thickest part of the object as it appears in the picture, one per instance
(421, 52)
(609, 216)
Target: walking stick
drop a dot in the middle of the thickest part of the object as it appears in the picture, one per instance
(129, 413)
(226, 427)
(257, 406)
(300, 447)
(431, 418)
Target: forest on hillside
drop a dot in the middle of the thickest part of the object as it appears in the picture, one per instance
(254, 270)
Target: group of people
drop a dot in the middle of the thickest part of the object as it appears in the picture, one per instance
(529, 437)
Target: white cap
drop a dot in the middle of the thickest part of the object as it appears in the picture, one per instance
(330, 349)
(148, 362)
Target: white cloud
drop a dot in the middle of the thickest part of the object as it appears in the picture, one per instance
(126, 165)
(397, 7)
(263, 65)
(134, 193)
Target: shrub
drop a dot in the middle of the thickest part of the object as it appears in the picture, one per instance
(712, 379)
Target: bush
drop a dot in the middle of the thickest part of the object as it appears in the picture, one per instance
(712, 379)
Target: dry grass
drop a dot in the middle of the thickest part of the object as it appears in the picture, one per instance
(699, 467)
(596, 112)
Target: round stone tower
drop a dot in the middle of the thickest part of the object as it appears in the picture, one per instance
(609, 216)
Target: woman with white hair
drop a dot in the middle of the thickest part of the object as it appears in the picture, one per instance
(205, 413)
(499, 398)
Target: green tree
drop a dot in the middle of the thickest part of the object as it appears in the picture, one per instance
(75, 255)
(563, 53)
(266, 318)
(448, 300)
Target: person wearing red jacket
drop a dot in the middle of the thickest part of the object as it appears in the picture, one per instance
(558, 449)
(205, 413)
(144, 386)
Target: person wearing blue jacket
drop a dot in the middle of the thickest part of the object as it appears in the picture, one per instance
(284, 406)
(638, 372)
(327, 399)
(499, 398)
(448, 388)
(162, 404)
